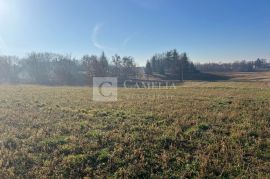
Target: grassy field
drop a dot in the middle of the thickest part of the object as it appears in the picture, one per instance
(247, 76)
(200, 129)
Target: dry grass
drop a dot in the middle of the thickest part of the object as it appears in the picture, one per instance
(248, 76)
(198, 130)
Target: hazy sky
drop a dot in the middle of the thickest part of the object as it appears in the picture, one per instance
(208, 30)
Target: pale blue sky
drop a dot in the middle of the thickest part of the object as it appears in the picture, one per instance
(208, 30)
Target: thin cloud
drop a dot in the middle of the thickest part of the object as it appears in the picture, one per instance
(127, 40)
(95, 41)
(95, 34)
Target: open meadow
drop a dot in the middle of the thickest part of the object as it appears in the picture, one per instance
(134, 89)
(199, 129)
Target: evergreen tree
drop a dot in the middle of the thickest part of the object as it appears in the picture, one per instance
(148, 69)
(104, 65)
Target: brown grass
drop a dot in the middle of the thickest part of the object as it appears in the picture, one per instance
(200, 129)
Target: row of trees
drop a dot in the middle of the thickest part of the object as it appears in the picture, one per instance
(241, 66)
(55, 69)
(123, 68)
(7, 69)
(170, 64)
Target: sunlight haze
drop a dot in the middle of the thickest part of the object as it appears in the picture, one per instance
(207, 30)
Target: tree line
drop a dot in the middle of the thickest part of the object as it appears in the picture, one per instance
(238, 66)
(171, 65)
(56, 69)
